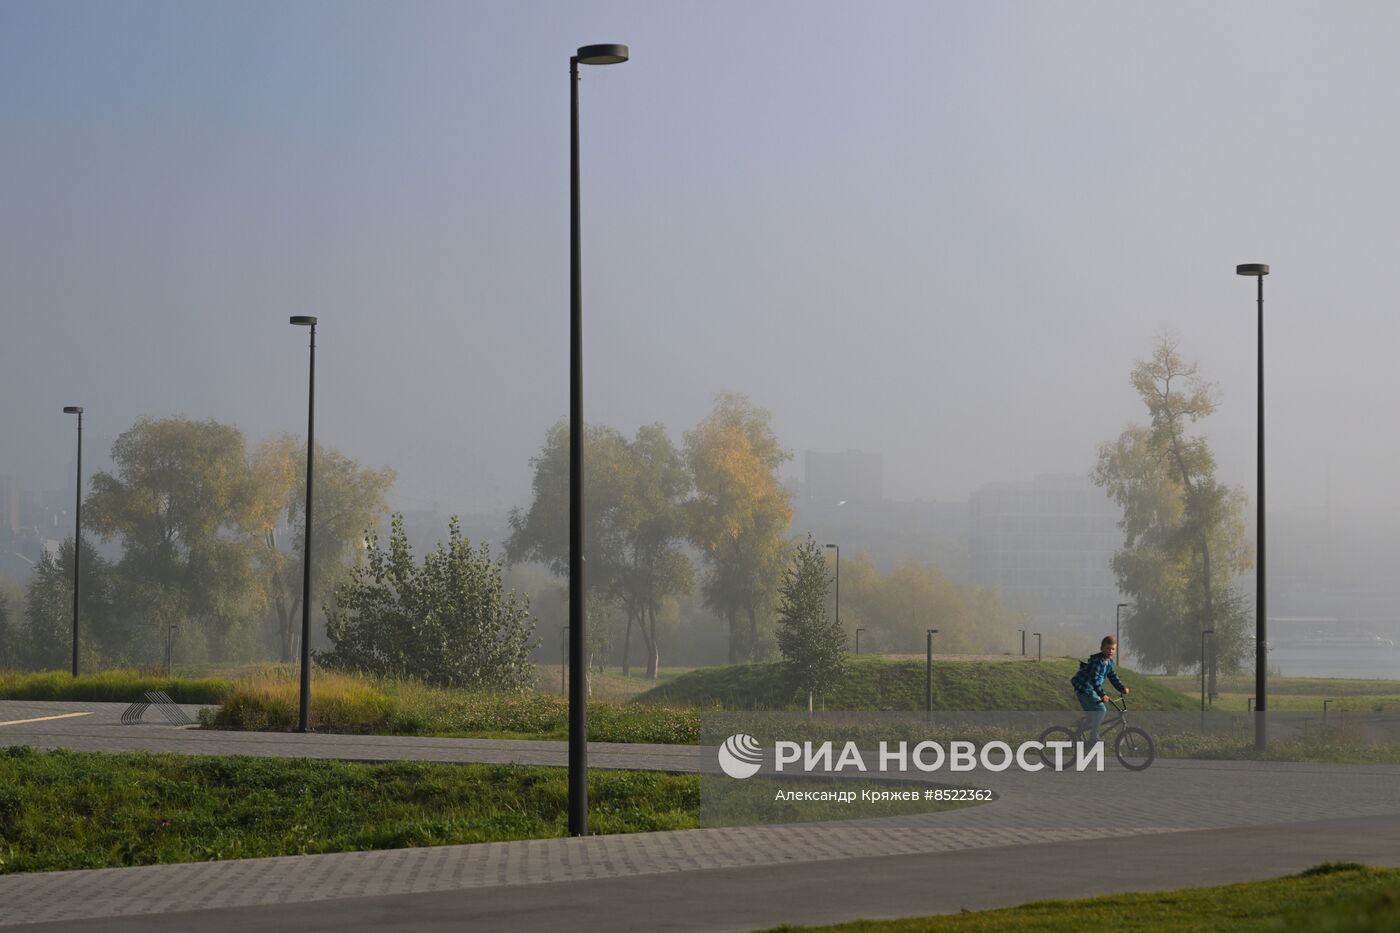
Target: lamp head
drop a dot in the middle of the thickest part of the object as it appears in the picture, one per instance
(1252, 268)
(303, 320)
(72, 409)
(606, 54)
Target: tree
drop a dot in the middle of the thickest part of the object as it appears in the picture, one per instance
(175, 500)
(653, 529)
(449, 622)
(46, 640)
(634, 523)
(1183, 531)
(811, 640)
(349, 500)
(740, 514)
(896, 609)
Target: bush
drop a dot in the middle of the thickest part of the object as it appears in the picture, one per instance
(448, 622)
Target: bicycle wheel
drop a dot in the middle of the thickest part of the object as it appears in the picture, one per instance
(1134, 749)
(1056, 734)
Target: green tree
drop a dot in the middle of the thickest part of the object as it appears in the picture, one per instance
(45, 641)
(1184, 533)
(653, 531)
(349, 499)
(811, 640)
(175, 500)
(634, 524)
(739, 516)
(449, 621)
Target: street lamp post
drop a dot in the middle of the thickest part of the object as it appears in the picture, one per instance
(858, 631)
(1261, 615)
(1118, 629)
(609, 54)
(1037, 646)
(169, 648)
(1023, 641)
(304, 713)
(928, 673)
(1204, 633)
(837, 548)
(77, 529)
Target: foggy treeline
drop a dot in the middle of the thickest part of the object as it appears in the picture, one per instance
(687, 543)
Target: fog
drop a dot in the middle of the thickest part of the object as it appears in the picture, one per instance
(938, 232)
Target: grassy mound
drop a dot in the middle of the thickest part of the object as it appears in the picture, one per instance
(1339, 898)
(110, 687)
(878, 684)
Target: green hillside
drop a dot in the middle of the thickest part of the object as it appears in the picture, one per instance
(878, 684)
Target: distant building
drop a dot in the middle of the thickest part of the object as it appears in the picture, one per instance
(1046, 546)
(851, 476)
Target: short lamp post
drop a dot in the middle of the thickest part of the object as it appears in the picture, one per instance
(928, 674)
(77, 529)
(1037, 646)
(1023, 641)
(1204, 633)
(858, 631)
(837, 548)
(1118, 629)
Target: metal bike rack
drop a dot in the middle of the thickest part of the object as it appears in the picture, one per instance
(163, 703)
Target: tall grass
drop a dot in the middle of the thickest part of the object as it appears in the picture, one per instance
(122, 686)
(358, 704)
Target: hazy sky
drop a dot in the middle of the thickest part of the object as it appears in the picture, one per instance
(939, 231)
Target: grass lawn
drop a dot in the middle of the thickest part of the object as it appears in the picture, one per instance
(62, 810)
(875, 683)
(1295, 694)
(1332, 898)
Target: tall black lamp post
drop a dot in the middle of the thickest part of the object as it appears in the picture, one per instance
(1023, 641)
(1037, 646)
(304, 720)
(578, 684)
(77, 529)
(1261, 615)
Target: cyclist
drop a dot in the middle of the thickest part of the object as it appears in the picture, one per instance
(1088, 683)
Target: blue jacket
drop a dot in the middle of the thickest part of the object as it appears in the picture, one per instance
(1091, 674)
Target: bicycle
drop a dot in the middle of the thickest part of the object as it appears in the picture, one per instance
(1133, 747)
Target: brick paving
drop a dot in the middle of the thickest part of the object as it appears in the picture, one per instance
(1172, 796)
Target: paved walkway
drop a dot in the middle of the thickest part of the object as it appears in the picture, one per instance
(1173, 796)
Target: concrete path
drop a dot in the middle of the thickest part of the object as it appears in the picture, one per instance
(1062, 811)
(831, 891)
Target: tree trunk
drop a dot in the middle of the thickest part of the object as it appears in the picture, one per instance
(653, 649)
(753, 634)
(627, 647)
(733, 636)
(1208, 622)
